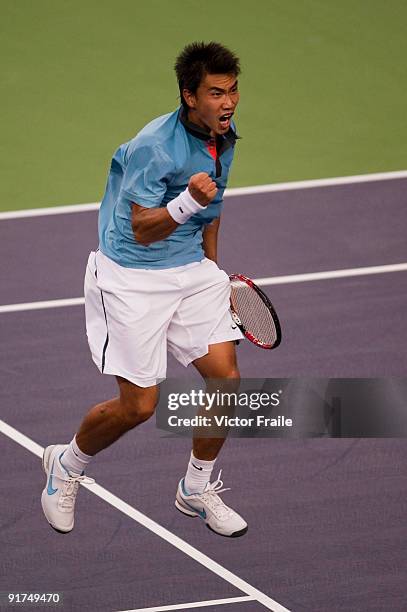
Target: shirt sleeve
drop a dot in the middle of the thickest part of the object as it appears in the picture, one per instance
(146, 176)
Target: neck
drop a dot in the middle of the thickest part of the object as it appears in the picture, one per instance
(193, 117)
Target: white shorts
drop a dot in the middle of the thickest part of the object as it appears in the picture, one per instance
(133, 316)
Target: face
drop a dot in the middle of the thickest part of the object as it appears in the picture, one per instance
(214, 102)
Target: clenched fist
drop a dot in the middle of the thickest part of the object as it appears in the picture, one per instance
(202, 188)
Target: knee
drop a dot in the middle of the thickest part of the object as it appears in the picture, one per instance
(136, 410)
(229, 381)
(233, 373)
(231, 376)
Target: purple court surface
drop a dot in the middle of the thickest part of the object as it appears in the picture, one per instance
(327, 517)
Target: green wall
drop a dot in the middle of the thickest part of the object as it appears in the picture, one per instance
(323, 89)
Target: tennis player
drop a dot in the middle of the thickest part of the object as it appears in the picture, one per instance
(154, 283)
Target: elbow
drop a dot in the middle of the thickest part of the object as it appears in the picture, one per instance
(139, 235)
(141, 240)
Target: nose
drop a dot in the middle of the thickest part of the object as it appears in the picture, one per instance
(228, 103)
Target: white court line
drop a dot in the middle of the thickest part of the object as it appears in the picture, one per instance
(195, 604)
(42, 305)
(315, 276)
(271, 280)
(233, 191)
(148, 523)
(52, 210)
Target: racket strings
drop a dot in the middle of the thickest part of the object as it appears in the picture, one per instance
(253, 313)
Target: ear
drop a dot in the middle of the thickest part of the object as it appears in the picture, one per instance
(189, 98)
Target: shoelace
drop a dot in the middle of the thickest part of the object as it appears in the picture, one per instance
(70, 489)
(211, 498)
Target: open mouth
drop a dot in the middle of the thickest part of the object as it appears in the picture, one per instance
(224, 120)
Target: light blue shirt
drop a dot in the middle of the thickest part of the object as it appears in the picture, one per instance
(152, 169)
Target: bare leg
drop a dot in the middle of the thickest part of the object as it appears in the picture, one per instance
(108, 421)
(220, 362)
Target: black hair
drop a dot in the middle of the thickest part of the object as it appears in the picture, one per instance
(198, 59)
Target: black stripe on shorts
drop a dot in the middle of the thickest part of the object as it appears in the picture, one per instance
(107, 334)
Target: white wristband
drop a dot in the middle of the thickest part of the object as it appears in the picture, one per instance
(183, 207)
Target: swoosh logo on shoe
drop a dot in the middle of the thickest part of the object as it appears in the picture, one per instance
(50, 489)
(201, 513)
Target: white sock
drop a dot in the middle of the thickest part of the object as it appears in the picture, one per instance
(198, 474)
(74, 460)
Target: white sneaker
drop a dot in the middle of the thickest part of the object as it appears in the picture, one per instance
(59, 495)
(208, 505)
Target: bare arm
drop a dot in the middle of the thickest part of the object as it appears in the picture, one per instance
(154, 224)
(151, 224)
(210, 240)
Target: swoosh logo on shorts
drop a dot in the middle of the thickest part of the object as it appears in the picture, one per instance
(50, 489)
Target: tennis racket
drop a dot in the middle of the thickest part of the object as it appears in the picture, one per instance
(253, 312)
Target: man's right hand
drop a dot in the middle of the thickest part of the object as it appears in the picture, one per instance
(202, 188)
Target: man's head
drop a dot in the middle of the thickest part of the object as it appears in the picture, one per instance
(207, 78)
